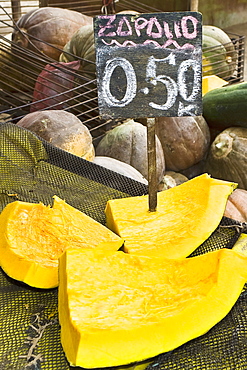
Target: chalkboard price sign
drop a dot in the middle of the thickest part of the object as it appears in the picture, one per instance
(149, 65)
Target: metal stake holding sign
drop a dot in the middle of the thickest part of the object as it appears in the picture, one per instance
(149, 65)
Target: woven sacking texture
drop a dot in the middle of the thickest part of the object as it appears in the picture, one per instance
(34, 171)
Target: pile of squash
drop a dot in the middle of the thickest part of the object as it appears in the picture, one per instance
(43, 32)
(185, 146)
(112, 301)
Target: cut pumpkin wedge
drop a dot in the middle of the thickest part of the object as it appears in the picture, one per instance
(116, 308)
(33, 236)
(212, 82)
(186, 216)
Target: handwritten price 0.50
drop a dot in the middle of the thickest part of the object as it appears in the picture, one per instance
(173, 88)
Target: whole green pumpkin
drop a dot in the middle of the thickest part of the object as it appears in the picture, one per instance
(81, 46)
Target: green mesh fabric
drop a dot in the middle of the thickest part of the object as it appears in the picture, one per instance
(32, 170)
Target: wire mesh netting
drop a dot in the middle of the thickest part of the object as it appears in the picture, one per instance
(34, 171)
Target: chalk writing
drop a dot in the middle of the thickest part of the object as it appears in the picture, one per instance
(148, 65)
(153, 28)
(130, 92)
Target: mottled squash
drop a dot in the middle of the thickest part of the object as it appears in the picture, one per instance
(33, 236)
(185, 140)
(219, 53)
(116, 308)
(215, 61)
(186, 216)
(62, 129)
(127, 142)
(81, 46)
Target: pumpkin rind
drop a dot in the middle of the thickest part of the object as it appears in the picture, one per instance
(116, 309)
(236, 206)
(186, 216)
(62, 129)
(48, 25)
(227, 156)
(33, 236)
(185, 140)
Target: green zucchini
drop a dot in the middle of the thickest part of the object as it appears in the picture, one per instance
(226, 106)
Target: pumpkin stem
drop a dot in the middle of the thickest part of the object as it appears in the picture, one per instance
(222, 145)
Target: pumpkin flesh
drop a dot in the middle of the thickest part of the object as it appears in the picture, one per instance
(186, 216)
(117, 308)
(33, 236)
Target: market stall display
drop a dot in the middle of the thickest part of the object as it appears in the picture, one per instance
(33, 170)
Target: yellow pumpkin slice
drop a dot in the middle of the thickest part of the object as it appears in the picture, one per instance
(33, 236)
(241, 244)
(117, 308)
(211, 82)
(186, 216)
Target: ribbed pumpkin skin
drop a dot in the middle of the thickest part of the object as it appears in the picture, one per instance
(226, 106)
(127, 142)
(81, 45)
(222, 57)
(52, 25)
(236, 206)
(227, 156)
(214, 58)
(185, 140)
(220, 35)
